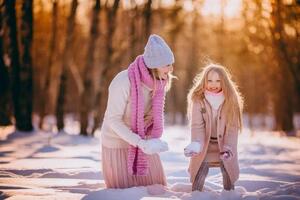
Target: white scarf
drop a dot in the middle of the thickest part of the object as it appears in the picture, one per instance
(214, 99)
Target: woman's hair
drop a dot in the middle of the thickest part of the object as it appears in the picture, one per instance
(154, 73)
(233, 103)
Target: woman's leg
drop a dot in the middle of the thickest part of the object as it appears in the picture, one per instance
(115, 173)
(226, 179)
(114, 168)
(200, 177)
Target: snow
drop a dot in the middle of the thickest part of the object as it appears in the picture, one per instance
(46, 165)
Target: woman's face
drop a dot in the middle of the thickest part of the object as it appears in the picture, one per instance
(213, 82)
(163, 72)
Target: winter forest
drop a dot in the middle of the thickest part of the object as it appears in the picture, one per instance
(58, 57)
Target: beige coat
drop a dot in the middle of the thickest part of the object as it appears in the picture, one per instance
(201, 132)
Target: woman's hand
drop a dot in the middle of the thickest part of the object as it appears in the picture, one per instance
(153, 146)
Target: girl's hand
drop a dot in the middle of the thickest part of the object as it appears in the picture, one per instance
(225, 155)
(189, 153)
(192, 149)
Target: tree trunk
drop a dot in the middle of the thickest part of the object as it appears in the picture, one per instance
(172, 98)
(5, 106)
(283, 103)
(26, 79)
(193, 55)
(133, 30)
(44, 98)
(21, 74)
(60, 103)
(108, 71)
(284, 106)
(221, 33)
(147, 17)
(86, 97)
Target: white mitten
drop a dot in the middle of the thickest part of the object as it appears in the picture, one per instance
(192, 149)
(153, 146)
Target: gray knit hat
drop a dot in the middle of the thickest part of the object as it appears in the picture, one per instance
(157, 53)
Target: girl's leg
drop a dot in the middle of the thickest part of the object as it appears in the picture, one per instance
(200, 177)
(226, 179)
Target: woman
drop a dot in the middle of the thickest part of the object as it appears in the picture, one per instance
(133, 121)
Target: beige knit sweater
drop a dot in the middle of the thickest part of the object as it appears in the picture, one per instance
(115, 130)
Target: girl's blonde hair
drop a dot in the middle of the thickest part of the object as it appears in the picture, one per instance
(233, 103)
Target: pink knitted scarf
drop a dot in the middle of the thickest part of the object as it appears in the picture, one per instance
(138, 74)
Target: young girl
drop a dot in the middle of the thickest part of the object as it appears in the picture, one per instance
(215, 113)
(133, 121)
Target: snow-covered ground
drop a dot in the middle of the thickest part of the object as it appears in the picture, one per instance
(46, 166)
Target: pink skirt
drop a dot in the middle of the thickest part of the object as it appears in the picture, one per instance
(115, 174)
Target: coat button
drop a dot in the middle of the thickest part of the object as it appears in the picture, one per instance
(220, 136)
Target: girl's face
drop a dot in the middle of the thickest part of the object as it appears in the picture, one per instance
(163, 72)
(213, 83)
